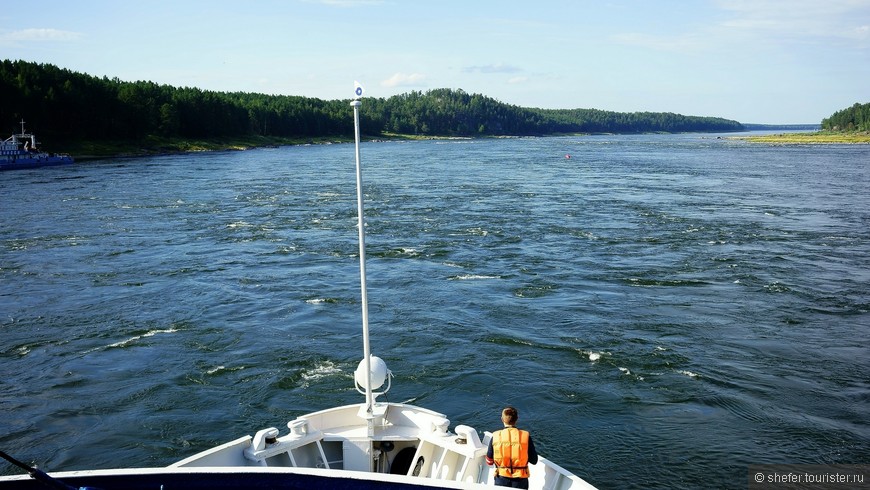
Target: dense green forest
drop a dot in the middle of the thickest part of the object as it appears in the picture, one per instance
(855, 118)
(65, 105)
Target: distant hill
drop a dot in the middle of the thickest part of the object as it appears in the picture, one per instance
(781, 127)
(65, 105)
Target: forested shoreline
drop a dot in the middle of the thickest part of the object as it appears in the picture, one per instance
(855, 118)
(66, 106)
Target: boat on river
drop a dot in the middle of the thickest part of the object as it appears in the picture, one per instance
(366, 445)
(22, 151)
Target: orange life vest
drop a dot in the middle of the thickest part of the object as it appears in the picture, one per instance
(510, 452)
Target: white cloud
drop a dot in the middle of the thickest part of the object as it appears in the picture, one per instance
(801, 18)
(684, 42)
(39, 35)
(518, 80)
(404, 80)
(348, 3)
(757, 24)
(496, 68)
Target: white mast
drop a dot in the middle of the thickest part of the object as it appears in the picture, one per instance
(362, 270)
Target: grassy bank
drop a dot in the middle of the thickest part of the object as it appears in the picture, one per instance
(816, 138)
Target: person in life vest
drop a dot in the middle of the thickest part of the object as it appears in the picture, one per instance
(511, 450)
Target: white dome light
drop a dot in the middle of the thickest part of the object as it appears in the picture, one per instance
(380, 374)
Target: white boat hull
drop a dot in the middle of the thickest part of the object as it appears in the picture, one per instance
(339, 439)
(406, 447)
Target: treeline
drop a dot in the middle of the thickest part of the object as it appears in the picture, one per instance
(64, 104)
(782, 127)
(598, 121)
(457, 113)
(855, 118)
(67, 104)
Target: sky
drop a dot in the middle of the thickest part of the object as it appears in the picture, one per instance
(754, 61)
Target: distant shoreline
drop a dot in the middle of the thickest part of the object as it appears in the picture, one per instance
(153, 147)
(814, 138)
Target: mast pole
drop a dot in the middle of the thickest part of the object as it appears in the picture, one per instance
(362, 269)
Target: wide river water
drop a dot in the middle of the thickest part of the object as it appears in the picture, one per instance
(663, 310)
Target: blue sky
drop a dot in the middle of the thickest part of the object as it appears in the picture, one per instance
(763, 61)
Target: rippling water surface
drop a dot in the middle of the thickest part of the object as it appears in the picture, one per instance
(663, 310)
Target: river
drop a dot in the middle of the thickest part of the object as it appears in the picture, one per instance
(663, 310)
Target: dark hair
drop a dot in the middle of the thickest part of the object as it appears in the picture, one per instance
(511, 414)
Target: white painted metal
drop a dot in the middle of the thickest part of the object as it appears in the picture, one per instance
(337, 439)
(362, 263)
